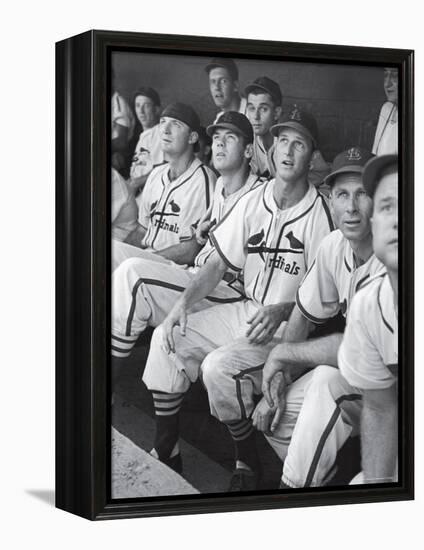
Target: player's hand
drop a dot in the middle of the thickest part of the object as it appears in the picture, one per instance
(266, 418)
(273, 368)
(177, 316)
(202, 231)
(265, 322)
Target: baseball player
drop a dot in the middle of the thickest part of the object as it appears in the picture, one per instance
(148, 152)
(320, 410)
(263, 110)
(177, 194)
(386, 135)
(143, 291)
(368, 356)
(224, 86)
(270, 236)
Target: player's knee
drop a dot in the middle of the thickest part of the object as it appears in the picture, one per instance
(325, 377)
(214, 369)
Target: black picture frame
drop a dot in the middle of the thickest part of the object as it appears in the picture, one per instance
(83, 280)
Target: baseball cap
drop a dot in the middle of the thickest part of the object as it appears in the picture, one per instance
(184, 113)
(268, 86)
(374, 170)
(224, 62)
(148, 92)
(300, 120)
(352, 160)
(235, 121)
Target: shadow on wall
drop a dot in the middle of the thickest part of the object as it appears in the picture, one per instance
(346, 100)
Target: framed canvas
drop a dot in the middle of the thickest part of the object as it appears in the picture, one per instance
(224, 208)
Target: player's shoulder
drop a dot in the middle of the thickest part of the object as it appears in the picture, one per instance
(365, 300)
(333, 243)
(158, 171)
(386, 108)
(320, 209)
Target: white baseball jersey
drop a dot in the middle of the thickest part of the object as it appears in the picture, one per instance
(121, 115)
(221, 205)
(368, 356)
(171, 210)
(124, 208)
(386, 135)
(241, 109)
(273, 247)
(259, 162)
(333, 279)
(149, 140)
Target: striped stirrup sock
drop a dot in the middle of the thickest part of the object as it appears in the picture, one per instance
(240, 430)
(122, 346)
(167, 404)
(167, 407)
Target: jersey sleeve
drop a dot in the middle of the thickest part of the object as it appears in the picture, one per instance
(230, 236)
(201, 200)
(359, 359)
(319, 226)
(317, 296)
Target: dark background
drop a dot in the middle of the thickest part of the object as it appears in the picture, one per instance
(346, 100)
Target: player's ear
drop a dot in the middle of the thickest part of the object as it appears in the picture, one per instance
(193, 138)
(277, 113)
(248, 151)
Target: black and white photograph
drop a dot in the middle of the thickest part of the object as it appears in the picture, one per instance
(254, 275)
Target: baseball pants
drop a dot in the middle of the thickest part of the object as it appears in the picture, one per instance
(322, 412)
(214, 348)
(143, 293)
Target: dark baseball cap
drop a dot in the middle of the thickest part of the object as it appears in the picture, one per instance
(232, 120)
(148, 92)
(184, 113)
(300, 120)
(375, 169)
(268, 86)
(352, 160)
(224, 62)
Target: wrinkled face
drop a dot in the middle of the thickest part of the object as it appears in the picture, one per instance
(146, 111)
(391, 84)
(293, 152)
(175, 136)
(384, 221)
(351, 207)
(261, 112)
(228, 150)
(222, 87)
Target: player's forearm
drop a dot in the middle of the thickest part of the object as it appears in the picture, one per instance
(298, 356)
(205, 281)
(136, 237)
(182, 253)
(379, 439)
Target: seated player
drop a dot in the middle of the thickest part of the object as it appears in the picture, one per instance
(386, 134)
(263, 110)
(177, 194)
(144, 291)
(368, 356)
(224, 86)
(148, 152)
(270, 236)
(316, 412)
